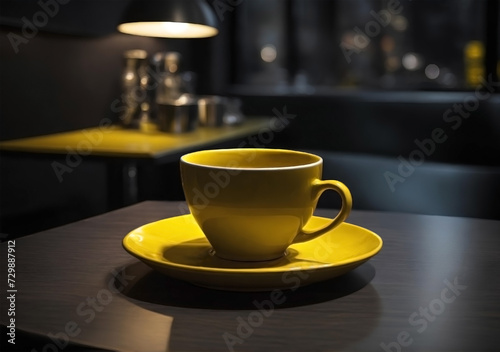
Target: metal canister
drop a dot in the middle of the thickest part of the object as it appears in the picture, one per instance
(134, 86)
(179, 115)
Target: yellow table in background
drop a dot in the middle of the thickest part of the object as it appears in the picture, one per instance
(124, 149)
(114, 141)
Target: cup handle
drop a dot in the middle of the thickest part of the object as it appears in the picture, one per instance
(319, 186)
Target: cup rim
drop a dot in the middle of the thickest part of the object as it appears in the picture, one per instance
(292, 167)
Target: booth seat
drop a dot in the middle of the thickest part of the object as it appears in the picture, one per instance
(402, 185)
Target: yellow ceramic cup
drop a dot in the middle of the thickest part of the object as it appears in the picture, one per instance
(251, 204)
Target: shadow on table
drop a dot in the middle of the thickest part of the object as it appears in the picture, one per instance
(336, 314)
(153, 287)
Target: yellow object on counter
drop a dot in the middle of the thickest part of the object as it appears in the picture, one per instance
(474, 63)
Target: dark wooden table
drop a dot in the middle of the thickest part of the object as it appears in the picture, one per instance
(433, 287)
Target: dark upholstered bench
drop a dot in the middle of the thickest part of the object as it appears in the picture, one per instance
(389, 184)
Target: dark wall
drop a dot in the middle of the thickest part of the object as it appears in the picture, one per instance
(66, 77)
(388, 123)
(56, 83)
(61, 82)
(62, 76)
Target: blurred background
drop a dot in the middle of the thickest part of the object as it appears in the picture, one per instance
(367, 81)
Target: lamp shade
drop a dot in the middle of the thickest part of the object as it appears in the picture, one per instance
(169, 19)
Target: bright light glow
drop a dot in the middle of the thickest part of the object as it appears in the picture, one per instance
(412, 62)
(399, 23)
(474, 50)
(175, 27)
(432, 71)
(268, 53)
(168, 29)
(129, 76)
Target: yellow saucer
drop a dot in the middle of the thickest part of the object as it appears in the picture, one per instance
(177, 247)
